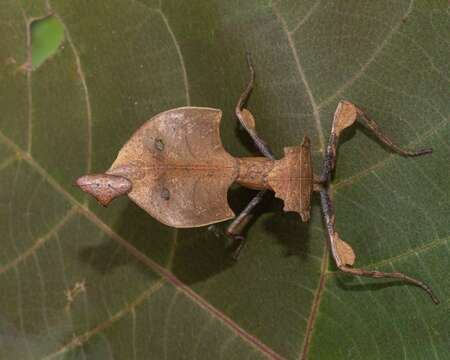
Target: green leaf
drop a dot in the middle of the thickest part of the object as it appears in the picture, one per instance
(46, 36)
(82, 282)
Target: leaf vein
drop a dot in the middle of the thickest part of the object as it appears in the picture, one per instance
(305, 18)
(81, 339)
(410, 252)
(351, 180)
(84, 86)
(20, 313)
(28, 67)
(39, 242)
(180, 55)
(414, 251)
(316, 303)
(301, 72)
(7, 162)
(369, 61)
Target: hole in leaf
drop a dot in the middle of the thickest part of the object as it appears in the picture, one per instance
(46, 36)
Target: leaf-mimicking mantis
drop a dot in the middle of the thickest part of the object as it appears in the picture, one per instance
(176, 169)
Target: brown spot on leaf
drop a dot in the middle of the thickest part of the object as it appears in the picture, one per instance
(71, 294)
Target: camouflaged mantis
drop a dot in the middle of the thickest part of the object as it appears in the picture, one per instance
(176, 169)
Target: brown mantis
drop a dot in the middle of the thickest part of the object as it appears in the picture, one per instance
(176, 169)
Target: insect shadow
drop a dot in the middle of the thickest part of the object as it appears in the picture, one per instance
(292, 234)
(347, 283)
(203, 252)
(192, 255)
(147, 235)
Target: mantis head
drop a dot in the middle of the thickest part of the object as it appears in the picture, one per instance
(104, 187)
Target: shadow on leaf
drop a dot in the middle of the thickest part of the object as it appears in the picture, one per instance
(147, 235)
(205, 251)
(289, 230)
(347, 282)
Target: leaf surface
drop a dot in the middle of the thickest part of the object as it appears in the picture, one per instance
(83, 282)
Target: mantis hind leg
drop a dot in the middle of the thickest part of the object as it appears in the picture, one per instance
(344, 266)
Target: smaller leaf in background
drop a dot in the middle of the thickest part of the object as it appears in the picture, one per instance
(46, 36)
